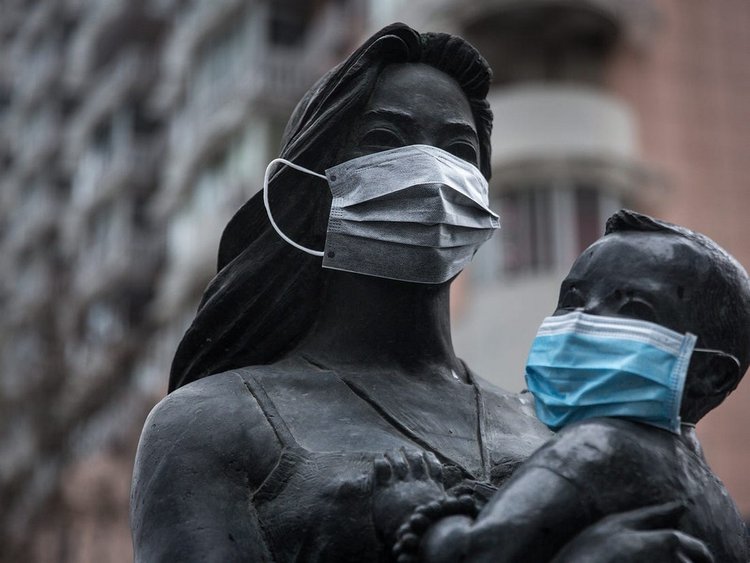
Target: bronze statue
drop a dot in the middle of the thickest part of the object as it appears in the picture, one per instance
(295, 380)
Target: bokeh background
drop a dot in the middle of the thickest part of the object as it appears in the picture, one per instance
(131, 130)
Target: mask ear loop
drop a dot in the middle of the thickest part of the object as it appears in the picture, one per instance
(268, 207)
(724, 355)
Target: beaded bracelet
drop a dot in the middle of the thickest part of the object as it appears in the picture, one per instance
(409, 535)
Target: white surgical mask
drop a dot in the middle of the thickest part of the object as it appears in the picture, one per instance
(414, 213)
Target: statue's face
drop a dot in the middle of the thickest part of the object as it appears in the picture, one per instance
(648, 276)
(411, 104)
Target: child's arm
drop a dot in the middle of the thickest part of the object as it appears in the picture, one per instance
(567, 485)
(530, 519)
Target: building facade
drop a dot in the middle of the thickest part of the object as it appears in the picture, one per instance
(130, 132)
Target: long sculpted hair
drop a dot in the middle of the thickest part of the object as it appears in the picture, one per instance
(266, 295)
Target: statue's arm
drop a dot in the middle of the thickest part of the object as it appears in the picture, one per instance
(204, 450)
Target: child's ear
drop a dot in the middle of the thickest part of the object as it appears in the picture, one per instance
(711, 377)
(724, 371)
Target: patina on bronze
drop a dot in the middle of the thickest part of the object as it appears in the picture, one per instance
(294, 382)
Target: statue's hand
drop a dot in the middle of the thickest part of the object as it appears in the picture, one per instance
(402, 480)
(645, 534)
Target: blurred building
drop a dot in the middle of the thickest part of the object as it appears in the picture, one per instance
(131, 130)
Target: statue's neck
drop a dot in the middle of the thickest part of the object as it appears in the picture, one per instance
(373, 323)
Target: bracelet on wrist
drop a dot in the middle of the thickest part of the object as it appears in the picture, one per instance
(409, 536)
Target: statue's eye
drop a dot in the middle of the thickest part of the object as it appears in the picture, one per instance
(637, 309)
(571, 299)
(464, 151)
(381, 138)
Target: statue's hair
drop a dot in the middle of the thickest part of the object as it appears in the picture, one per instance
(266, 295)
(721, 311)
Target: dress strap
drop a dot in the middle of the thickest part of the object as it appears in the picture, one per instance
(481, 421)
(292, 454)
(249, 377)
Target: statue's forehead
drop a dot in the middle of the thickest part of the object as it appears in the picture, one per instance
(420, 89)
(647, 256)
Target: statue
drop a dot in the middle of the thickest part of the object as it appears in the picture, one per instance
(313, 409)
(608, 353)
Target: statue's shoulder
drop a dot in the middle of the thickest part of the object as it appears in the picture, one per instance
(289, 378)
(215, 397)
(514, 410)
(241, 404)
(217, 414)
(205, 448)
(234, 389)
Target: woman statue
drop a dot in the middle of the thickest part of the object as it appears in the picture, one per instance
(299, 386)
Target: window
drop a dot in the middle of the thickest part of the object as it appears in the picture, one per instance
(223, 60)
(546, 41)
(110, 233)
(87, 175)
(543, 229)
(103, 323)
(527, 244)
(288, 22)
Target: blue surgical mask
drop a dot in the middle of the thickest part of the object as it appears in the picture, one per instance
(583, 366)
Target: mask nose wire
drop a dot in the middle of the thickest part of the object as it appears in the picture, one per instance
(268, 206)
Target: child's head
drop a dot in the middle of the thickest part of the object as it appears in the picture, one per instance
(651, 270)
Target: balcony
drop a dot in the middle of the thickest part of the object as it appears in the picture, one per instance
(36, 140)
(34, 80)
(191, 28)
(635, 20)
(115, 86)
(191, 262)
(36, 216)
(284, 76)
(131, 262)
(131, 168)
(110, 26)
(270, 84)
(82, 52)
(33, 291)
(558, 131)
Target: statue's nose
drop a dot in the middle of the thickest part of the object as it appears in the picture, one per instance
(597, 309)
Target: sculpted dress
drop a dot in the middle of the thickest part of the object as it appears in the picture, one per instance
(274, 463)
